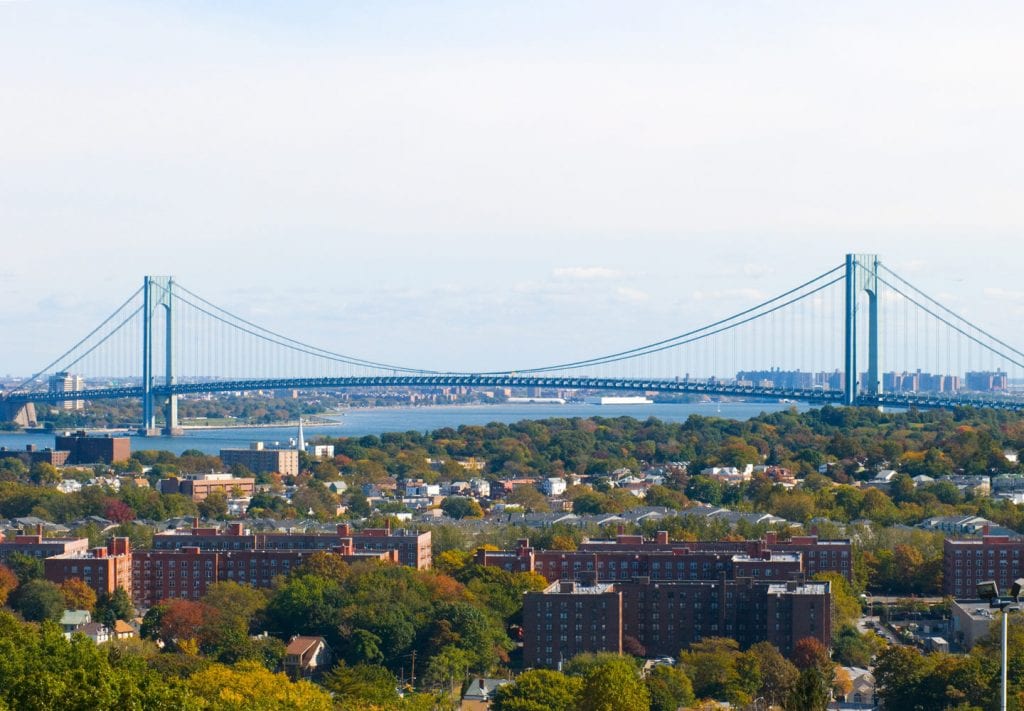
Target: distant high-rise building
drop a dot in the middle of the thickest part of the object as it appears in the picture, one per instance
(919, 382)
(85, 449)
(986, 381)
(261, 460)
(65, 382)
(789, 379)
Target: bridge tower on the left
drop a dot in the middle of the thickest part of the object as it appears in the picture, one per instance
(158, 300)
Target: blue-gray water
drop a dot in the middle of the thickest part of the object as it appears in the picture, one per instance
(403, 419)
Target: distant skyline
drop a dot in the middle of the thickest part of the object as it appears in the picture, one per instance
(476, 185)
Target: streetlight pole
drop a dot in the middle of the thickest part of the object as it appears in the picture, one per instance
(988, 590)
(1006, 629)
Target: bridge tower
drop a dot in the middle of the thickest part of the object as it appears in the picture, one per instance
(861, 276)
(156, 294)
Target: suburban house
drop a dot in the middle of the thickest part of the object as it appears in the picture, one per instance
(480, 693)
(306, 657)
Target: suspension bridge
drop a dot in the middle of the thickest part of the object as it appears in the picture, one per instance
(856, 334)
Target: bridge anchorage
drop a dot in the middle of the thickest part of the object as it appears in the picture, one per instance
(805, 344)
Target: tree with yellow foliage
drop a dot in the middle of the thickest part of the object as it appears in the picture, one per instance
(249, 686)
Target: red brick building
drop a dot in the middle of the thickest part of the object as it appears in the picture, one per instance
(37, 546)
(104, 569)
(521, 560)
(189, 571)
(90, 449)
(568, 618)
(968, 561)
(412, 548)
(629, 556)
(199, 486)
(571, 617)
(30, 455)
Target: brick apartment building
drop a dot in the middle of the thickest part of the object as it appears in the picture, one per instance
(37, 546)
(260, 460)
(104, 568)
(412, 548)
(629, 556)
(188, 572)
(968, 561)
(570, 617)
(90, 449)
(32, 454)
(199, 486)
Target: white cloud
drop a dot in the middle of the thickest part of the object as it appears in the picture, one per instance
(746, 294)
(627, 293)
(1001, 294)
(585, 273)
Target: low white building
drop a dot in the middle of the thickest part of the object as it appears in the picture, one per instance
(553, 486)
(862, 690)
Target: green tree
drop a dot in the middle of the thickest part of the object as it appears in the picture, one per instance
(778, 674)
(214, 506)
(539, 690)
(38, 600)
(669, 688)
(529, 498)
(111, 607)
(43, 670)
(26, 567)
(44, 474)
(613, 685)
(448, 668)
(811, 691)
(459, 507)
(362, 684)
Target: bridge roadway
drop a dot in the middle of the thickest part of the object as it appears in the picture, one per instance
(813, 396)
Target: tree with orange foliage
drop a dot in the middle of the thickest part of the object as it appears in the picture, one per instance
(8, 582)
(77, 595)
(182, 623)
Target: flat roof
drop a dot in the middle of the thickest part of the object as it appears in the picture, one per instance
(801, 589)
(775, 558)
(600, 588)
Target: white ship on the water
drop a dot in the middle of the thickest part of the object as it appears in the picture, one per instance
(620, 400)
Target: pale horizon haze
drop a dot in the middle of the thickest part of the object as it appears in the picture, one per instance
(471, 186)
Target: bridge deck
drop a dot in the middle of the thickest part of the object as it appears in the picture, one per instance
(917, 400)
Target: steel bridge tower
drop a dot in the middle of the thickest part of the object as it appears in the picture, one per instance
(157, 293)
(861, 276)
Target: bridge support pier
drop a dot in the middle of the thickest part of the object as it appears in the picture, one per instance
(157, 292)
(861, 276)
(22, 414)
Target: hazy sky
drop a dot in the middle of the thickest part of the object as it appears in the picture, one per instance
(470, 185)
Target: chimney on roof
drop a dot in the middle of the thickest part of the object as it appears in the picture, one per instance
(662, 537)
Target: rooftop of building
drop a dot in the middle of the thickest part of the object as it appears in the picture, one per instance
(976, 609)
(300, 645)
(800, 588)
(772, 557)
(571, 587)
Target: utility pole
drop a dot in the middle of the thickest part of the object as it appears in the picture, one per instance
(412, 673)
